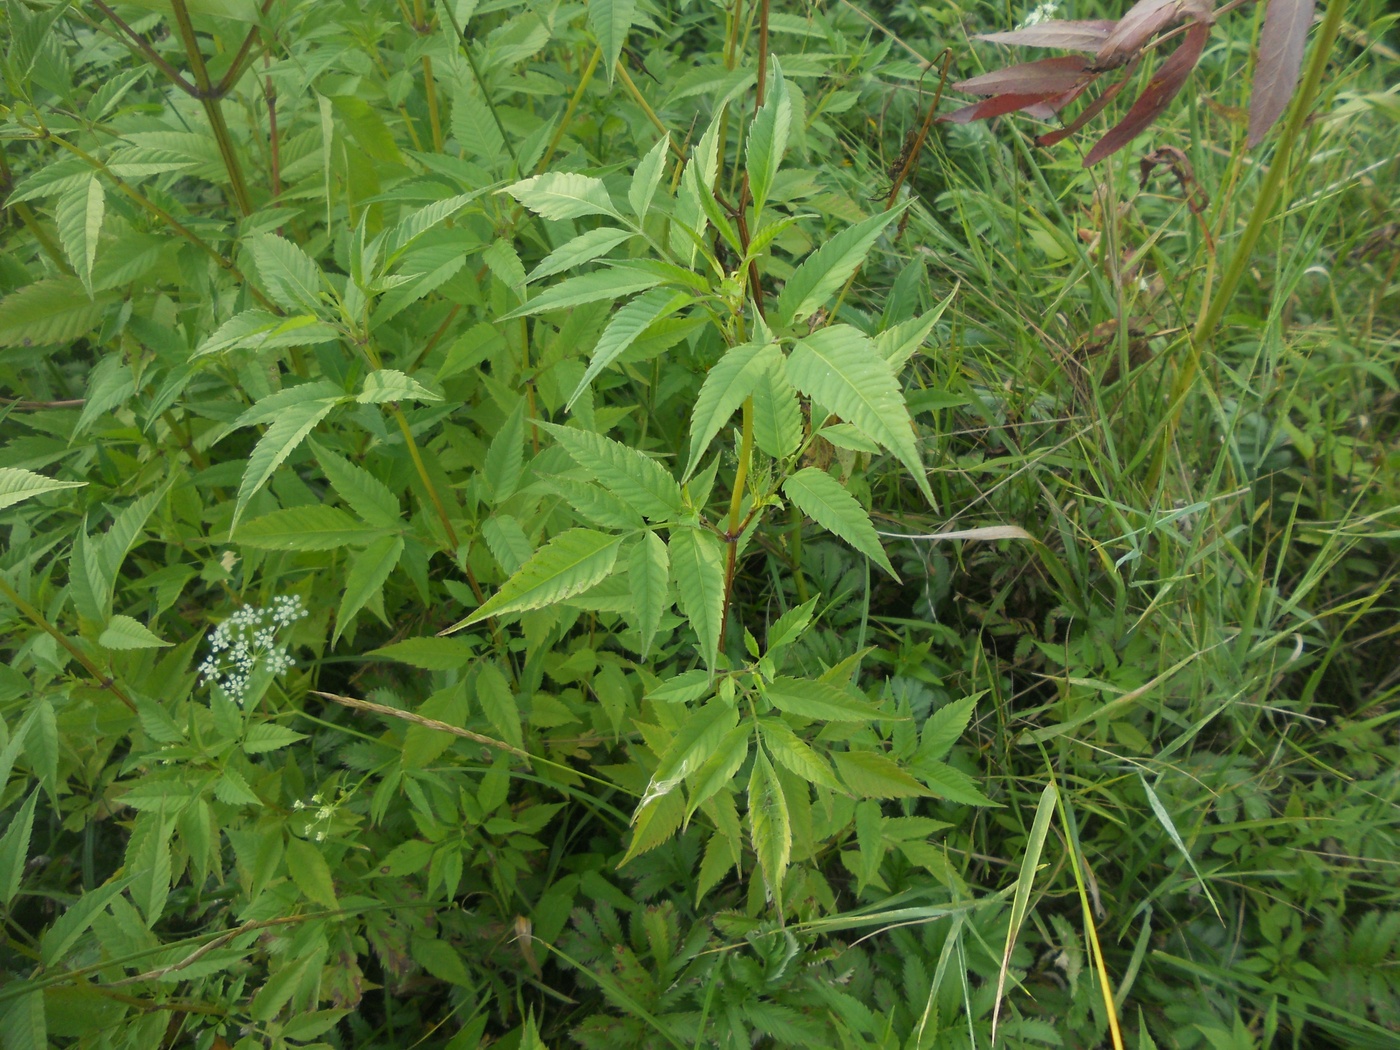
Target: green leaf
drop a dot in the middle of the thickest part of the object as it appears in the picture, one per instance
(506, 539)
(291, 277)
(871, 775)
(593, 287)
(697, 566)
(311, 873)
(148, 859)
(945, 727)
(822, 498)
(313, 527)
(498, 704)
(417, 223)
(277, 443)
(818, 700)
(769, 826)
(389, 384)
(110, 384)
(269, 736)
(428, 654)
(365, 494)
(946, 782)
(592, 503)
(698, 738)
(610, 20)
(582, 249)
(59, 938)
(474, 127)
(25, 1021)
(441, 960)
(647, 177)
(274, 405)
(563, 195)
(503, 260)
(896, 345)
(715, 773)
(777, 417)
(122, 632)
(838, 367)
(17, 485)
(626, 325)
(790, 626)
(1030, 862)
(630, 475)
(14, 849)
(368, 571)
(505, 458)
(567, 565)
(649, 572)
(54, 310)
(768, 137)
(825, 271)
(260, 330)
(794, 755)
(79, 216)
(728, 385)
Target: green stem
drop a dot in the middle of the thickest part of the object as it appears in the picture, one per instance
(423, 475)
(1271, 192)
(736, 508)
(558, 136)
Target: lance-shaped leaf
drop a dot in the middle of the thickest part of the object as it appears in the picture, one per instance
(698, 738)
(313, 527)
(769, 826)
(295, 421)
(649, 575)
(632, 476)
(1046, 76)
(1092, 110)
(1042, 105)
(291, 277)
(820, 701)
(582, 249)
(389, 384)
(1144, 20)
(823, 272)
(593, 287)
(610, 20)
(563, 195)
(1276, 73)
(54, 310)
(794, 755)
(727, 385)
(14, 849)
(1067, 35)
(871, 775)
(79, 215)
(777, 417)
(622, 331)
(1160, 90)
(567, 565)
(260, 330)
(768, 138)
(840, 368)
(647, 177)
(822, 498)
(715, 773)
(18, 484)
(368, 571)
(697, 566)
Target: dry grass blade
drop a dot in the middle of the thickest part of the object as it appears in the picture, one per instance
(419, 720)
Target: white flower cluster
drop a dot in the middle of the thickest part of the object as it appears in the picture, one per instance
(323, 813)
(246, 640)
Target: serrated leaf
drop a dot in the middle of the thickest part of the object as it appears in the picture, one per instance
(697, 566)
(277, 443)
(59, 938)
(473, 126)
(630, 475)
(269, 736)
(824, 272)
(818, 700)
(365, 494)
(274, 405)
(777, 416)
(441, 960)
(311, 873)
(647, 177)
(291, 277)
(54, 310)
(794, 755)
(945, 727)
(684, 688)
(610, 20)
(630, 321)
(563, 195)
(17, 485)
(79, 216)
(696, 740)
(506, 539)
(944, 781)
(716, 772)
(649, 574)
(582, 249)
(428, 654)
(567, 565)
(260, 330)
(505, 457)
(368, 571)
(503, 260)
(591, 502)
(728, 384)
(313, 527)
(148, 859)
(769, 826)
(498, 704)
(389, 384)
(594, 287)
(839, 368)
(822, 498)
(871, 775)
(123, 632)
(768, 137)
(791, 625)
(14, 849)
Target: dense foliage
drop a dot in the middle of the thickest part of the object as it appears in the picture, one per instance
(554, 524)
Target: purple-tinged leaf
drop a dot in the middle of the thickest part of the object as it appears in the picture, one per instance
(997, 106)
(1071, 36)
(1144, 20)
(1280, 61)
(1048, 76)
(1160, 90)
(1047, 109)
(1092, 110)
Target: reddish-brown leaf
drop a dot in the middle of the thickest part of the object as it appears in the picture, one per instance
(1048, 76)
(1092, 110)
(1144, 20)
(1047, 109)
(996, 106)
(1155, 98)
(1280, 60)
(1071, 36)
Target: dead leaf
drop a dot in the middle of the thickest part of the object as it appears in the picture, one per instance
(1276, 73)
(1166, 82)
(996, 107)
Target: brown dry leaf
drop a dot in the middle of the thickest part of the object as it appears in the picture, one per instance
(1281, 43)
(1071, 36)
(999, 106)
(1092, 110)
(1161, 89)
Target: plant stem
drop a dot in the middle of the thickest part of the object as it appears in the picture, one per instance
(736, 507)
(422, 469)
(1271, 192)
(558, 136)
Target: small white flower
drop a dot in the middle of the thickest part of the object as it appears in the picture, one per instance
(247, 640)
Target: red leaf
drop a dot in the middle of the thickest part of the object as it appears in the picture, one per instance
(1155, 98)
(1046, 110)
(1280, 61)
(1144, 20)
(1092, 110)
(1071, 36)
(1048, 76)
(994, 107)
